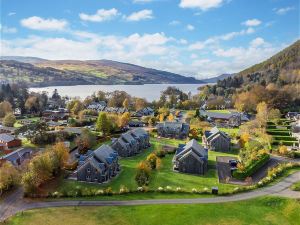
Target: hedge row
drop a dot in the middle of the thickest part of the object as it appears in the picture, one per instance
(284, 138)
(249, 170)
(278, 133)
(287, 143)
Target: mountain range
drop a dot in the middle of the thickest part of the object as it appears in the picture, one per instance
(37, 72)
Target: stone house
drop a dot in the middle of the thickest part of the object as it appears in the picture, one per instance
(173, 130)
(100, 166)
(191, 158)
(131, 143)
(216, 140)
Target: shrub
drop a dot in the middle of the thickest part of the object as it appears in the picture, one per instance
(160, 153)
(252, 168)
(153, 161)
(123, 189)
(142, 176)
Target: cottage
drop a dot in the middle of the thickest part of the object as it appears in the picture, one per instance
(9, 141)
(216, 140)
(191, 158)
(232, 119)
(173, 129)
(132, 142)
(100, 166)
(17, 157)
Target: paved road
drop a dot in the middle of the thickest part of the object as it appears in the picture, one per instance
(14, 205)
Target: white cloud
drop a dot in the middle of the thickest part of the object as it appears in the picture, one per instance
(8, 30)
(200, 4)
(190, 27)
(257, 42)
(252, 22)
(140, 15)
(174, 23)
(100, 16)
(216, 39)
(38, 23)
(11, 13)
(283, 11)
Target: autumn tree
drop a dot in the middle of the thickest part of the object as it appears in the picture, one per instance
(32, 104)
(171, 117)
(9, 176)
(143, 173)
(85, 141)
(126, 103)
(9, 120)
(153, 161)
(103, 123)
(139, 103)
(5, 108)
(124, 119)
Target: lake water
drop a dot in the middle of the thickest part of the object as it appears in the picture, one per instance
(148, 91)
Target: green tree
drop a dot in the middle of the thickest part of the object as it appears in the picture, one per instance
(103, 123)
(9, 120)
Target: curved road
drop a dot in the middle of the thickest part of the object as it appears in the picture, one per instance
(12, 205)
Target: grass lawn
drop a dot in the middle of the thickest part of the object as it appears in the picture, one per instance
(296, 186)
(165, 176)
(233, 132)
(265, 210)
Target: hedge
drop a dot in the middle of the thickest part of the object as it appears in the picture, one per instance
(284, 138)
(249, 170)
(287, 143)
(278, 133)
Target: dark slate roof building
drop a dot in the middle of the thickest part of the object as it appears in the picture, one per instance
(191, 158)
(233, 119)
(173, 129)
(18, 157)
(99, 166)
(132, 142)
(216, 140)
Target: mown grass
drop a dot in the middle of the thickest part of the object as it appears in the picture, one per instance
(164, 176)
(296, 187)
(265, 210)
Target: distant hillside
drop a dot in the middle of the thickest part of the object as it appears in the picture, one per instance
(284, 67)
(41, 72)
(216, 79)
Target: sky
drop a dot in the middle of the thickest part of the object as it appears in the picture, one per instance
(200, 38)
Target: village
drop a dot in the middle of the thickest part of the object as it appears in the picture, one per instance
(109, 146)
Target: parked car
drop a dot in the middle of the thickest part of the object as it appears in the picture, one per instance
(233, 162)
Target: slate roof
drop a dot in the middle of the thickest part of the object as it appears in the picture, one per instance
(191, 147)
(213, 132)
(13, 156)
(6, 138)
(224, 116)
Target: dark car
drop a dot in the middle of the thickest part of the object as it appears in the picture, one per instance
(233, 162)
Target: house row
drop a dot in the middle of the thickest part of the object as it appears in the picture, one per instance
(7, 130)
(173, 130)
(55, 115)
(232, 119)
(131, 143)
(102, 108)
(293, 115)
(143, 112)
(216, 140)
(191, 158)
(101, 165)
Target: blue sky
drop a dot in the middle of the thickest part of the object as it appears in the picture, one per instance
(200, 38)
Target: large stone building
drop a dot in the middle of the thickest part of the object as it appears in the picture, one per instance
(132, 142)
(101, 165)
(216, 140)
(173, 129)
(191, 158)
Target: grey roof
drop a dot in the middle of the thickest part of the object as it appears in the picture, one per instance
(13, 156)
(214, 132)
(6, 138)
(225, 116)
(193, 145)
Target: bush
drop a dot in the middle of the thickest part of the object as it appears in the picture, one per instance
(252, 168)
(160, 153)
(142, 176)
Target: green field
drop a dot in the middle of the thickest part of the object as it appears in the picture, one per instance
(163, 177)
(266, 210)
(225, 111)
